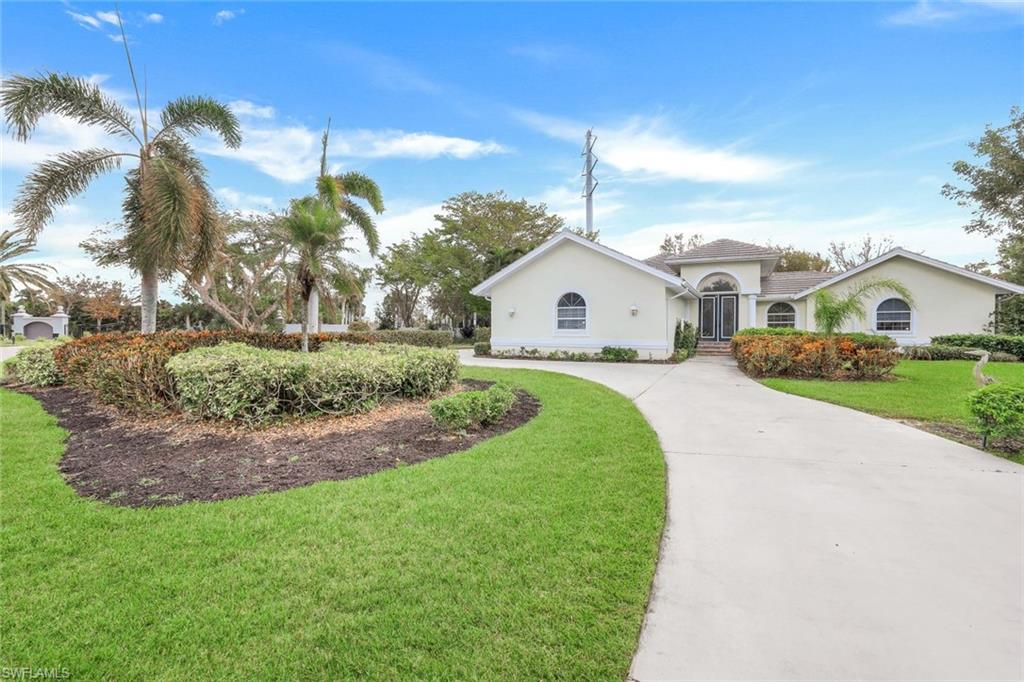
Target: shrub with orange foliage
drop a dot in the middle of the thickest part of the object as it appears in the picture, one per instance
(814, 356)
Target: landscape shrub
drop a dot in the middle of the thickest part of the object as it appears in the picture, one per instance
(239, 382)
(481, 334)
(1003, 343)
(685, 337)
(617, 354)
(472, 409)
(481, 348)
(998, 410)
(848, 356)
(359, 326)
(35, 365)
(128, 369)
(940, 352)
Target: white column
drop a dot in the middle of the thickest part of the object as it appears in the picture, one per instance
(752, 310)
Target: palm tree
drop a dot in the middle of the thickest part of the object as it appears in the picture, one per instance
(14, 244)
(338, 193)
(169, 213)
(831, 312)
(315, 233)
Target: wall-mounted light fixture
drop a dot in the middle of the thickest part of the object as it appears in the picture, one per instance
(512, 312)
(634, 310)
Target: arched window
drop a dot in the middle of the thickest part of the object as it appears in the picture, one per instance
(893, 315)
(781, 315)
(718, 283)
(571, 312)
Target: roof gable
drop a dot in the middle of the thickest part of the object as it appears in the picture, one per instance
(484, 288)
(725, 249)
(919, 258)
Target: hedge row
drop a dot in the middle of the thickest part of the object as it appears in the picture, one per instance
(239, 382)
(128, 370)
(1003, 343)
(815, 356)
(938, 352)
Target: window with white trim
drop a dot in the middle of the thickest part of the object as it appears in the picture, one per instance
(571, 312)
(893, 315)
(781, 315)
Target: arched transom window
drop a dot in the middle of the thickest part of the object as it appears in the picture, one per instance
(571, 312)
(893, 315)
(781, 315)
(718, 282)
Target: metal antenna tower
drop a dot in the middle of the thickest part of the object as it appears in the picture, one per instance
(589, 182)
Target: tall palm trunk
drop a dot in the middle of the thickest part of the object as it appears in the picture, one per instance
(313, 311)
(150, 285)
(305, 324)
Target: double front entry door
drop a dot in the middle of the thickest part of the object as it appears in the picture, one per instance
(718, 316)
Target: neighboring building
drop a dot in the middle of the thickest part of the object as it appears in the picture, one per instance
(35, 327)
(573, 294)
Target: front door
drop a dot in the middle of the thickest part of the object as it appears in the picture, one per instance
(718, 316)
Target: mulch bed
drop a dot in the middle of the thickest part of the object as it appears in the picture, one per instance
(172, 460)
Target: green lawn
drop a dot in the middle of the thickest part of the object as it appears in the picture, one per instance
(925, 390)
(529, 556)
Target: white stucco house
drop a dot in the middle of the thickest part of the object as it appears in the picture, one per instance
(574, 294)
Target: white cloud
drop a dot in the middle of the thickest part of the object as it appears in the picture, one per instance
(378, 144)
(226, 15)
(383, 70)
(109, 17)
(243, 107)
(84, 20)
(244, 202)
(935, 12)
(291, 153)
(644, 148)
(153, 18)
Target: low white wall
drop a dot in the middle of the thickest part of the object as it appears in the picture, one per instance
(296, 328)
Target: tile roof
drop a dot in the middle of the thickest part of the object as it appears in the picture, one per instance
(783, 283)
(659, 263)
(726, 249)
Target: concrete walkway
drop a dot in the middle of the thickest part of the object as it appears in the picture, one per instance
(809, 541)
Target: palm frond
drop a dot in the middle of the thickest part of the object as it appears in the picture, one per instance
(328, 191)
(13, 244)
(362, 220)
(361, 186)
(192, 115)
(54, 181)
(26, 99)
(171, 207)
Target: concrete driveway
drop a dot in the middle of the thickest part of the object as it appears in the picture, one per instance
(809, 541)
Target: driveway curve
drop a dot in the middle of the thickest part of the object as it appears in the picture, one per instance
(809, 541)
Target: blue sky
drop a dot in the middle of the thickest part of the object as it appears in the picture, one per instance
(789, 123)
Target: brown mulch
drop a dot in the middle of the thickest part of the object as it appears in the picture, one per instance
(1012, 447)
(172, 460)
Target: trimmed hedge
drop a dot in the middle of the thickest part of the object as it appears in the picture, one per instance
(815, 356)
(938, 352)
(35, 365)
(1004, 343)
(998, 410)
(481, 348)
(472, 409)
(482, 334)
(617, 354)
(238, 382)
(128, 370)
